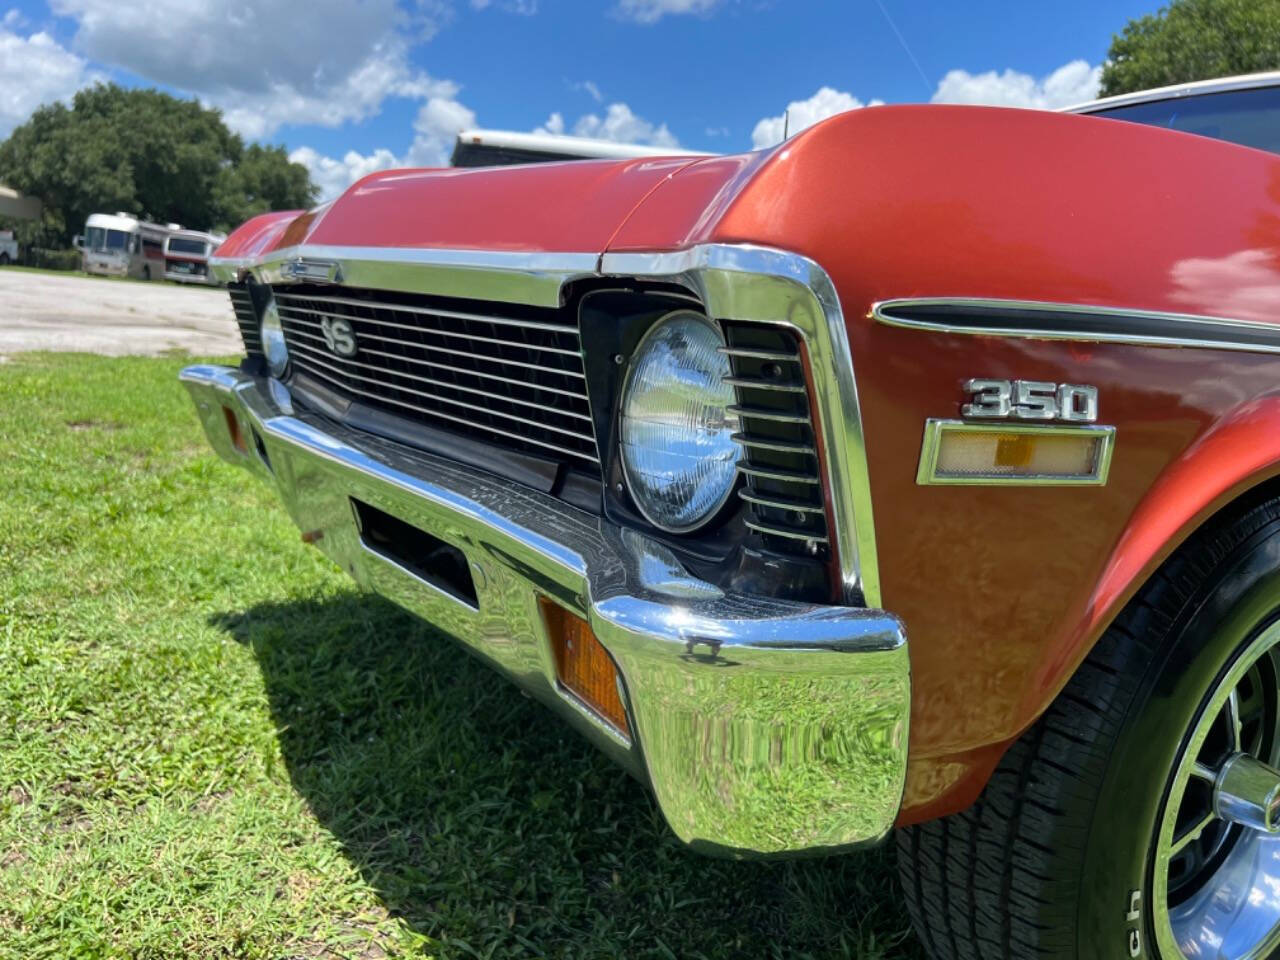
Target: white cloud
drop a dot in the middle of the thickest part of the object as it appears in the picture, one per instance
(1072, 83)
(651, 11)
(334, 176)
(526, 8)
(13, 20)
(554, 125)
(34, 70)
(261, 62)
(435, 129)
(716, 131)
(591, 89)
(827, 102)
(621, 125)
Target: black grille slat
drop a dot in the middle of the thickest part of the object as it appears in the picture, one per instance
(783, 490)
(513, 382)
(246, 318)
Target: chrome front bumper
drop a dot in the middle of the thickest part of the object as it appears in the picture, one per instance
(764, 727)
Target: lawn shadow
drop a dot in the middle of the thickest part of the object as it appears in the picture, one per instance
(487, 825)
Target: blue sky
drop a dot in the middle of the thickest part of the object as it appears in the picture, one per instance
(353, 85)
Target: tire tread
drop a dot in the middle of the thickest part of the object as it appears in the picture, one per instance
(1010, 892)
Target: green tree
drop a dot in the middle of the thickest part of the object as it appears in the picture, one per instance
(146, 153)
(1193, 40)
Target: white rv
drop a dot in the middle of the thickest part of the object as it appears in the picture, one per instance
(186, 256)
(120, 245)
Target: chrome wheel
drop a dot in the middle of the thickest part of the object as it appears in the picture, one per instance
(1216, 887)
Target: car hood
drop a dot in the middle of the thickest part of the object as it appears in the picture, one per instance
(575, 207)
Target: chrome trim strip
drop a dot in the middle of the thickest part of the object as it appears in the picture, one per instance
(779, 474)
(507, 276)
(285, 309)
(451, 351)
(756, 383)
(927, 473)
(1184, 330)
(787, 532)
(348, 388)
(764, 443)
(732, 772)
(778, 504)
(732, 281)
(1178, 91)
(430, 312)
(763, 285)
(759, 354)
(758, 413)
(531, 404)
(321, 360)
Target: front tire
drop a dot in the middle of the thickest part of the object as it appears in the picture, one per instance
(1070, 850)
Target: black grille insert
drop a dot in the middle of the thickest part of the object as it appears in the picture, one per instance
(783, 491)
(515, 381)
(246, 317)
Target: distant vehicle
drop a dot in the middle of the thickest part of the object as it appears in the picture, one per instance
(8, 248)
(186, 256)
(1244, 109)
(120, 245)
(499, 148)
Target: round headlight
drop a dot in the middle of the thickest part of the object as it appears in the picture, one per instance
(677, 446)
(273, 345)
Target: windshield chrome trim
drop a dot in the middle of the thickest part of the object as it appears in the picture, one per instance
(1178, 91)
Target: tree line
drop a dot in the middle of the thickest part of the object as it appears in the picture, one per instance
(146, 153)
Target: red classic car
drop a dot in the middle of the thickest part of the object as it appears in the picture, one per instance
(922, 471)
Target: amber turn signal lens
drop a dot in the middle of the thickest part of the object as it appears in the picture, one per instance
(583, 666)
(985, 453)
(233, 428)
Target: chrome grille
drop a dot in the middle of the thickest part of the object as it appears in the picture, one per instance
(246, 317)
(783, 488)
(515, 381)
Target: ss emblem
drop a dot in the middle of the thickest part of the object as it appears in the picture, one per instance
(1031, 400)
(338, 336)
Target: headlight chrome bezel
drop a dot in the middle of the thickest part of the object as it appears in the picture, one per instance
(638, 495)
(275, 352)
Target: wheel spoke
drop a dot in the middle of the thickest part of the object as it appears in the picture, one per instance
(1198, 769)
(1233, 719)
(1192, 835)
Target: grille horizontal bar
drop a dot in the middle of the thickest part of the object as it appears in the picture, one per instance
(514, 382)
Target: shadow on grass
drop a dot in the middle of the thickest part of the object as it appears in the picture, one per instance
(489, 827)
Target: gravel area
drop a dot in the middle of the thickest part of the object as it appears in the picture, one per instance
(50, 311)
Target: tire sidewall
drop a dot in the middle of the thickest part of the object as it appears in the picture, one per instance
(1240, 598)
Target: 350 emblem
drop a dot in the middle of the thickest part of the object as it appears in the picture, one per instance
(1031, 400)
(338, 336)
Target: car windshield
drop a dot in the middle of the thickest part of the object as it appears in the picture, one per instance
(1248, 117)
(100, 239)
(184, 245)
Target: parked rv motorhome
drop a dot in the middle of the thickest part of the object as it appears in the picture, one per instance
(186, 256)
(120, 245)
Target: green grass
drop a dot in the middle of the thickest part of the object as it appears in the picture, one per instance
(213, 745)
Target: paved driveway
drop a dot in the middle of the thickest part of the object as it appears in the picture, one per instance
(50, 311)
